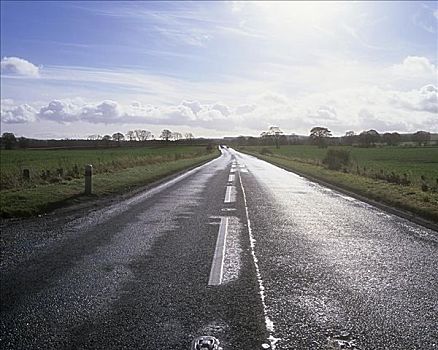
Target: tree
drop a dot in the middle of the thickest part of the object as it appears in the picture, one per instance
(166, 134)
(318, 136)
(241, 140)
(189, 136)
(348, 138)
(118, 136)
(23, 142)
(273, 133)
(131, 135)
(391, 139)
(9, 140)
(421, 137)
(143, 135)
(369, 138)
(293, 139)
(177, 136)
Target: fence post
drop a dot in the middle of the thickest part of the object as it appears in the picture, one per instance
(26, 174)
(88, 179)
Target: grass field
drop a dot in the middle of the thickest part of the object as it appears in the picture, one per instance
(412, 161)
(364, 173)
(51, 166)
(56, 176)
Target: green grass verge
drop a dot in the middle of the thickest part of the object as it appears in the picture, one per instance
(412, 161)
(411, 198)
(42, 198)
(46, 166)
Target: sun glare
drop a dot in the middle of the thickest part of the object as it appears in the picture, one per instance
(298, 14)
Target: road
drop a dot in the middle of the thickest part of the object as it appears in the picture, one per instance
(239, 249)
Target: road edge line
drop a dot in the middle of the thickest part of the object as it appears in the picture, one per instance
(405, 214)
(268, 322)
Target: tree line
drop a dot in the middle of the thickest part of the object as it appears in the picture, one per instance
(9, 141)
(142, 135)
(322, 137)
(319, 136)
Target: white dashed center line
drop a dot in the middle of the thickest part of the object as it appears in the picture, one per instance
(217, 265)
(230, 194)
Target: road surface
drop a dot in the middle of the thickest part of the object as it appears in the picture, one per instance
(239, 249)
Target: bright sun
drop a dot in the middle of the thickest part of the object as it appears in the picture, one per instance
(298, 14)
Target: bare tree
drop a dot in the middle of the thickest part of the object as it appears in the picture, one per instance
(131, 135)
(421, 137)
(166, 134)
(118, 136)
(177, 136)
(349, 137)
(391, 139)
(143, 135)
(274, 133)
(369, 137)
(189, 136)
(318, 135)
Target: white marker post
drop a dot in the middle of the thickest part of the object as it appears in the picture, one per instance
(88, 179)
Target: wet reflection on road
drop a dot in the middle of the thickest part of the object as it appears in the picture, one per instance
(337, 270)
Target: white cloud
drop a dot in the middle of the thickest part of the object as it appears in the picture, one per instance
(11, 114)
(324, 113)
(271, 98)
(60, 111)
(369, 120)
(190, 113)
(424, 99)
(195, 106)
(222, 108)
(332, 95)
(245, 109)
(18, 66)
(416, 66)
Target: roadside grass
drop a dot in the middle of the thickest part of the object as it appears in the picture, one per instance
(412, 161)
(51, 166)
(411, 198)
(40, 197)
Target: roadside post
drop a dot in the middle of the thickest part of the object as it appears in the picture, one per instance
(26, 174)
(88, 179)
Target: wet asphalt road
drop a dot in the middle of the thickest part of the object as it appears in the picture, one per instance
(304, 267)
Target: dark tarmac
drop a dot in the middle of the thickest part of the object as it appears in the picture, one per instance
(304, 267)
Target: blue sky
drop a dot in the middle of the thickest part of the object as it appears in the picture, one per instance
(70, 69)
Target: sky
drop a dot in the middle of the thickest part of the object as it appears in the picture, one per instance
(215, 69)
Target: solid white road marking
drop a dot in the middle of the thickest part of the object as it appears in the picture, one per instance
(268, 322)
(227, 195)
(230, 194)
(217, 265)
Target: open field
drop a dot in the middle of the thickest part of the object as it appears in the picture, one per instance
(56, 176)
(414, 162)
(366, 172)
